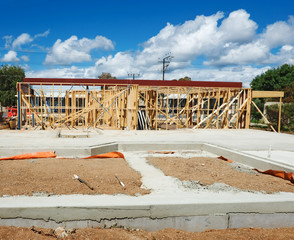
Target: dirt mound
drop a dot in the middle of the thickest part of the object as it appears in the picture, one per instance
(56, 177)
(211, 172)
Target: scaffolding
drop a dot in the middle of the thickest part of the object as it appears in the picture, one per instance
(45, 105)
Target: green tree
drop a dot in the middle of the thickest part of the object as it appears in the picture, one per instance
(106, 76)
(9, 76)
(289, 93)
(185, 79)
(276, 79)
(287, 118)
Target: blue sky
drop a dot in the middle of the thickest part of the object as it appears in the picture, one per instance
(210, 40)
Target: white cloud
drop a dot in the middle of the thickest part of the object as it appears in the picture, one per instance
(279, 33)
(233, 74)
(44, 34)
(251, 53)
(11, 56)
(230, 44)
(285, 55)
(112, 64)
(74, 50)
(21, 40)
(220, 40)
(25, 58)
(238, 27)
(71, 72)
(8, 41)
(186, 41)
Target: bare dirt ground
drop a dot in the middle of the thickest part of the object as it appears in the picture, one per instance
(212, 170)
(122, 234)
(55, 177)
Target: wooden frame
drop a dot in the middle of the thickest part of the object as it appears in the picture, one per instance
(132, 106)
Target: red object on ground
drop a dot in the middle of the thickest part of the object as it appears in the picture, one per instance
(225, 159)
(107, 155)
(31, 155)
(280, 174)
(11, 111)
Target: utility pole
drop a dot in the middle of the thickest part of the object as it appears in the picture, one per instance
(165, 63)
(133, 75)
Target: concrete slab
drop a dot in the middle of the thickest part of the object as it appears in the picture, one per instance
(171, 204)
(286, 157)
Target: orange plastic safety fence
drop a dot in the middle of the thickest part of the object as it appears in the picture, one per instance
(31, 155)
(108, 155)
(225, 159)
(281, 174)
(52, 155)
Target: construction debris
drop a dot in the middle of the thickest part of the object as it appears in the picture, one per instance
(83, 181)
(120, 182)
(162, 152)
(60, 232)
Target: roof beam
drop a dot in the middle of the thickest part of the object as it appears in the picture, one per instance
(101, 82)
(267, 94)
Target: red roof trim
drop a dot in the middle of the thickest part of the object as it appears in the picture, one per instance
(167, 83)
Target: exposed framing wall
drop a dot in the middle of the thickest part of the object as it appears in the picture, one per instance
(54, 105)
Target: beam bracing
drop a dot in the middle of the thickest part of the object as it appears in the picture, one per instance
(117, 106)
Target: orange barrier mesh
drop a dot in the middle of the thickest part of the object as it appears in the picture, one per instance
(52, 155)
(280, 174)
(31, 155)
(225, 159)
(108, 155)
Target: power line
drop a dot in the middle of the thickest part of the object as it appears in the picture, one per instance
(133, 75)
(165, 63)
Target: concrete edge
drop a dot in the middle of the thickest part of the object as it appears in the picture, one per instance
(61, 212)
(155, 145)
(247, 159)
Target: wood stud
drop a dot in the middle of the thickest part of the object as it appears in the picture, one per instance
(116, 107)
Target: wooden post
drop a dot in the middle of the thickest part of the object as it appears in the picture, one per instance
(248, 111)
(217, 112)
(280, 111)
(73, 107)
(19, 105)
(199, 100)
(208, 107)
(87, 105)
(52, 108)
(156, 109)
(167, 109)
(237, 125)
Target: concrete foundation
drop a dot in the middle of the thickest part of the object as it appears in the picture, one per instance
(170, 204)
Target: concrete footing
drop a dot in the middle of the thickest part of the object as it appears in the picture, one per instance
(187, 209)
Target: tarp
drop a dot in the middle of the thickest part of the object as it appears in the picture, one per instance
(31, 155)
(225, 159)
(281, 174)
(107, 155)
(52, 155)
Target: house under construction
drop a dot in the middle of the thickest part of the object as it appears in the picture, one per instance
(135, 104)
